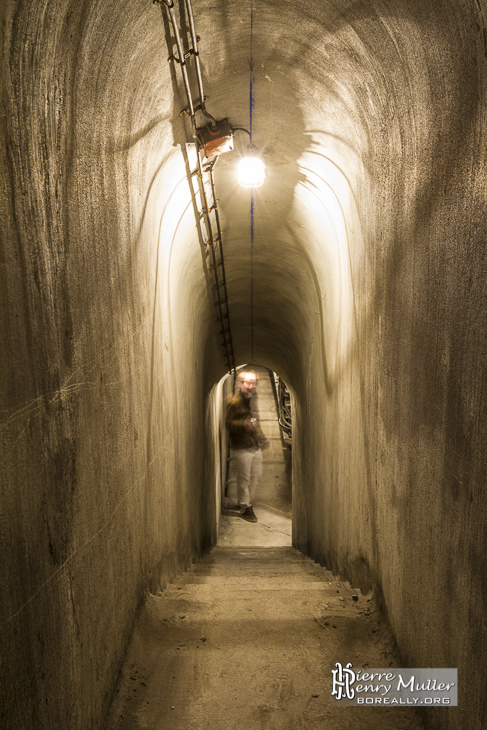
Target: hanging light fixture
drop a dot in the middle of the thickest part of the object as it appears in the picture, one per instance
(217, 138)
(251, 169)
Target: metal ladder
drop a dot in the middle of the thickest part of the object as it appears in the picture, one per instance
(204, 196)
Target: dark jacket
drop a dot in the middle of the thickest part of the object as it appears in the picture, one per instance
(238, 412)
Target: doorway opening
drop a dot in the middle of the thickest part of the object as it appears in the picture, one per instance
(272, 497)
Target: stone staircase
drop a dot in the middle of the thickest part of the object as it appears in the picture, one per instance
(246, 640)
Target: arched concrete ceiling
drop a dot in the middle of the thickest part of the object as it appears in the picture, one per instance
(306, 123)
(345, 110)
(345, 101)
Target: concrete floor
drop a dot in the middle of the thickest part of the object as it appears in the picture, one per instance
(271, 530)
(246, 640)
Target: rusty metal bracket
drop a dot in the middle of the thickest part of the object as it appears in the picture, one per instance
(189, 53)
(196, 108)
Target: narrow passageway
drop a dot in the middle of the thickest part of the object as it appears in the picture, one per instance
(246, 640)
(274, 491)
(138, 271)
(275, 488)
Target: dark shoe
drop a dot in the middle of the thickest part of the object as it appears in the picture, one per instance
(248, 514)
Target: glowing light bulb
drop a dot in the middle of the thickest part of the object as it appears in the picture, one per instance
(251, 172)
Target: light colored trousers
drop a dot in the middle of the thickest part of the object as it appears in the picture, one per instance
(248, 466)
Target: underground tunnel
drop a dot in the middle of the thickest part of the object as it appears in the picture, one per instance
(356, 271)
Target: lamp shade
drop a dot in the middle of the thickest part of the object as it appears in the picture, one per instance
(251, 172)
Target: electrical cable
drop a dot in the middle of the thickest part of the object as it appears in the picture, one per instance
(251, 105)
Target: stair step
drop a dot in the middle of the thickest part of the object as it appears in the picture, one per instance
(243, 562)
(279, 554)
(270, 570)
(262, 579)
(205, 589)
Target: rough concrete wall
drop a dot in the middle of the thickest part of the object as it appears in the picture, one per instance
(102, 390)
(218, 439)
(390, 465)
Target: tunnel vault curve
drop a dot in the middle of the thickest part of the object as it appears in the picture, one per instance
(367, 276)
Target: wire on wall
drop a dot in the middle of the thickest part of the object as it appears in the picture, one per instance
(251, 109)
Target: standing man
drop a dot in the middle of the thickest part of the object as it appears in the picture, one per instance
(246, 441)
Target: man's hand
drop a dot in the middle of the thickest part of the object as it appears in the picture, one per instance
(250, 424)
